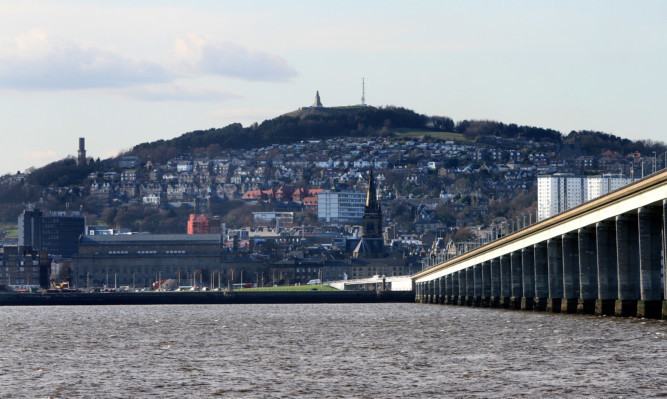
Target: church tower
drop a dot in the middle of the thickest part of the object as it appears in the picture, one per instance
(372, 221)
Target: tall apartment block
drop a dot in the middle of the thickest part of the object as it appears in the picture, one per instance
(562, 191)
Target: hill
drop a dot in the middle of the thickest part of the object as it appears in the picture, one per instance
(324, 123)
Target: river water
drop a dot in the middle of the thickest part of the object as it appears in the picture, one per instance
(325, 351)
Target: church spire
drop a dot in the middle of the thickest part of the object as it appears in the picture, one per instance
(371, 194)
(372, 220)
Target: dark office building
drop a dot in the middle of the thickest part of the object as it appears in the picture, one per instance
(22, 269)
(57, 233)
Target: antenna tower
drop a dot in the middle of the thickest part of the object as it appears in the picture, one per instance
(363, 91)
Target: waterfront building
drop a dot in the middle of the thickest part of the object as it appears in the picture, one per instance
(23, 269)
(56, 233)
(140, 259)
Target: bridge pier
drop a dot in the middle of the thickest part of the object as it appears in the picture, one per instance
(588, 276)
(627, 250)
(517, 288)
(470, 286)
(462, 287)
(429, 291)
(505, 281)
(664, 258)
(455, 289)
(443, 290)
(607, 264)
(555, 272)
(495, 283)
(650, 246)
(528, 278)
(570, 273)
(448, 289)
(486, 284)
(541, 276)
(477, 285)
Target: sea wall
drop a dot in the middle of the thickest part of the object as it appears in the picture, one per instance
(175, 298)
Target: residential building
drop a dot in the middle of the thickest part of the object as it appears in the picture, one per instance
(341, 207)
(562, 191)
(198, 224)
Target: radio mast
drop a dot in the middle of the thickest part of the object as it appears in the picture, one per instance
(363, 92)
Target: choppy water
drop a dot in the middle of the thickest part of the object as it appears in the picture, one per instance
(315, 351)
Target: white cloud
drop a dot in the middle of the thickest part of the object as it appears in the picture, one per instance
(38, 61)
(202, 54)
(44, 155)
(177, 92)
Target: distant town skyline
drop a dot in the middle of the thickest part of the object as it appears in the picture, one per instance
(128, 72)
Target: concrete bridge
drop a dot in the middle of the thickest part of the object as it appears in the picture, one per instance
(603, 257)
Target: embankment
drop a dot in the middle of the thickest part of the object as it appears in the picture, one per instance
(192, 298)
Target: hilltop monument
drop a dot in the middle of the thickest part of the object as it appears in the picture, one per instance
(317, 103)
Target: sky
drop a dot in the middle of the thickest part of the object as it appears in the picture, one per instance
(120, 73)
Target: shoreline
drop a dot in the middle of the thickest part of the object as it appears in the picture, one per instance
(202, 298)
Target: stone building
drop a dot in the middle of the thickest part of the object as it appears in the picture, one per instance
(142, 259)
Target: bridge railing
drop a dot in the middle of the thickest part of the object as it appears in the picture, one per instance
(490, 236)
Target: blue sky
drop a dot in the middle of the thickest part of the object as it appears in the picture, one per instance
(124, 72)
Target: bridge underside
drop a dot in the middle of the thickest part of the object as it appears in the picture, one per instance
(607, 258)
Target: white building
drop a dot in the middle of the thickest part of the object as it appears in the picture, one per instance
(604, 184)
(562, 191)
(341, 207)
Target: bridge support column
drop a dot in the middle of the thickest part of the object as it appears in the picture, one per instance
(441, 290)
(495, 283)
(477, 285)
(462, 287)
(541, 276)
(505, 281)
(664, 258)
(517, 286)
(588, 276)
(650, 246)
(528, 278)
(627, 253)
(448, 289)
(432, 290)
(606, 262)
(424, 292)
(555, 271)
(570, 273)
(456, 289)
(418, 292)
(486, 283)
(470, 286)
